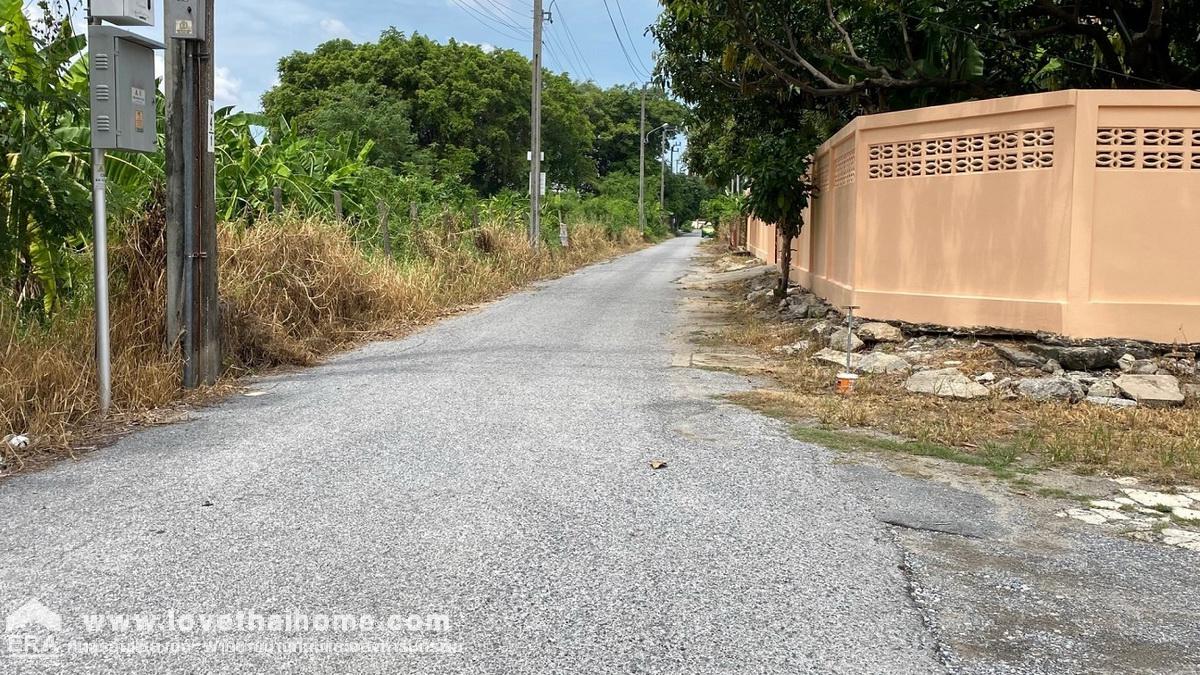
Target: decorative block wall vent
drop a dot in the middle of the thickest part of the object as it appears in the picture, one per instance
(843, 166)
(1015, 150)
(1148, 148)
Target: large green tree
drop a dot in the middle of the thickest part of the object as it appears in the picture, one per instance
(770, 79)
(457, 110)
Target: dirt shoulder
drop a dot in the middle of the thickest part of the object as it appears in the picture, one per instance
(1021, 560)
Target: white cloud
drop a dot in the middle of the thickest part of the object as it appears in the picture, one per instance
(336, 28)
(487, 47)
(227, 88)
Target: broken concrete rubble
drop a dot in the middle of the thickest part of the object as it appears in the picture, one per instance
(843, 338)
(1051, 389)
(947, 383)
(1078, 358)
(1019, 357)
(1156, 391)
(880, 332)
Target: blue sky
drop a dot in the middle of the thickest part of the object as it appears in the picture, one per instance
(252, 35)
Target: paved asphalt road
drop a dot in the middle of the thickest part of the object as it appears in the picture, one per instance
(493, 468)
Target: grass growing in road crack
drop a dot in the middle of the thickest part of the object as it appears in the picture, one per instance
(851, 441)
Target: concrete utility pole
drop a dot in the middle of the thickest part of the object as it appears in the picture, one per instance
(193, 310)
(535, 154)
(642, 166)
(662, 178)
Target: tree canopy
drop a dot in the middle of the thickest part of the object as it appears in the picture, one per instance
(769, 80)
(457, 109)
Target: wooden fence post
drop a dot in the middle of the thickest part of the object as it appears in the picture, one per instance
(277, 199)
(384, 212)
(337, 204)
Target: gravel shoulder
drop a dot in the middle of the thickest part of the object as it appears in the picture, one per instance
(1004, 582)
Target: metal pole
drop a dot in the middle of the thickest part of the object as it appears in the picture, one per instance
(642, 166)
(535, 156)
(100, 257)
(849, 334)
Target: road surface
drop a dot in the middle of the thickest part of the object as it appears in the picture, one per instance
(492, 471)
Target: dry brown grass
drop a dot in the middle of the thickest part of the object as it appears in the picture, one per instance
(1162, 444)
(293, 291)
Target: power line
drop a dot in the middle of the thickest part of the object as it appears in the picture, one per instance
(575, 45)
(484, 20)
(639, 73)
(621, 12)
(505, 16)
(560, 53)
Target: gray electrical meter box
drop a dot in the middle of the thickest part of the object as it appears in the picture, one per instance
(124, 113)
(124, 12)
(185, 19)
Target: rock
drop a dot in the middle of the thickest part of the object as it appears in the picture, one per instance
(1139, 367)
(1103, 389)
(880, 332)
(1078, 358)
(760, 296)
(1176, 537)
(985, 378)
(1086, 515)
(1182, 364)
(947, 383)
(795, 348)
(1111, 514)
(1185, 514)
(1105, 504)
(818, 311)
(1126, 362)
(797, 290)
(836, 358)
(1157, 500)
(1191, 391)
(1084, 379)
(1019, 357)
(842, 337)
(1156, 391)
(1112, 401)
(819, 332)
(1050, 389)
(874, 363)
(1052, 367)
(952, 364)
(881, 363)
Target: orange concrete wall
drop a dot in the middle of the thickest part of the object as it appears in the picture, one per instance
(1075, 212)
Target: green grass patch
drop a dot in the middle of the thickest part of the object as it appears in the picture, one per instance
(848, 441)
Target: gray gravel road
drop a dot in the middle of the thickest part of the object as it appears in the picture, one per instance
(494, 469)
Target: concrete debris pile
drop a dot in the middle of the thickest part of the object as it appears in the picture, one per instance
(1123, 376)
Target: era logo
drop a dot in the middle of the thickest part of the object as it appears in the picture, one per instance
(30, 630)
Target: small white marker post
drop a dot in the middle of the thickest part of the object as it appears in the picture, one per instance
(847, 379)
